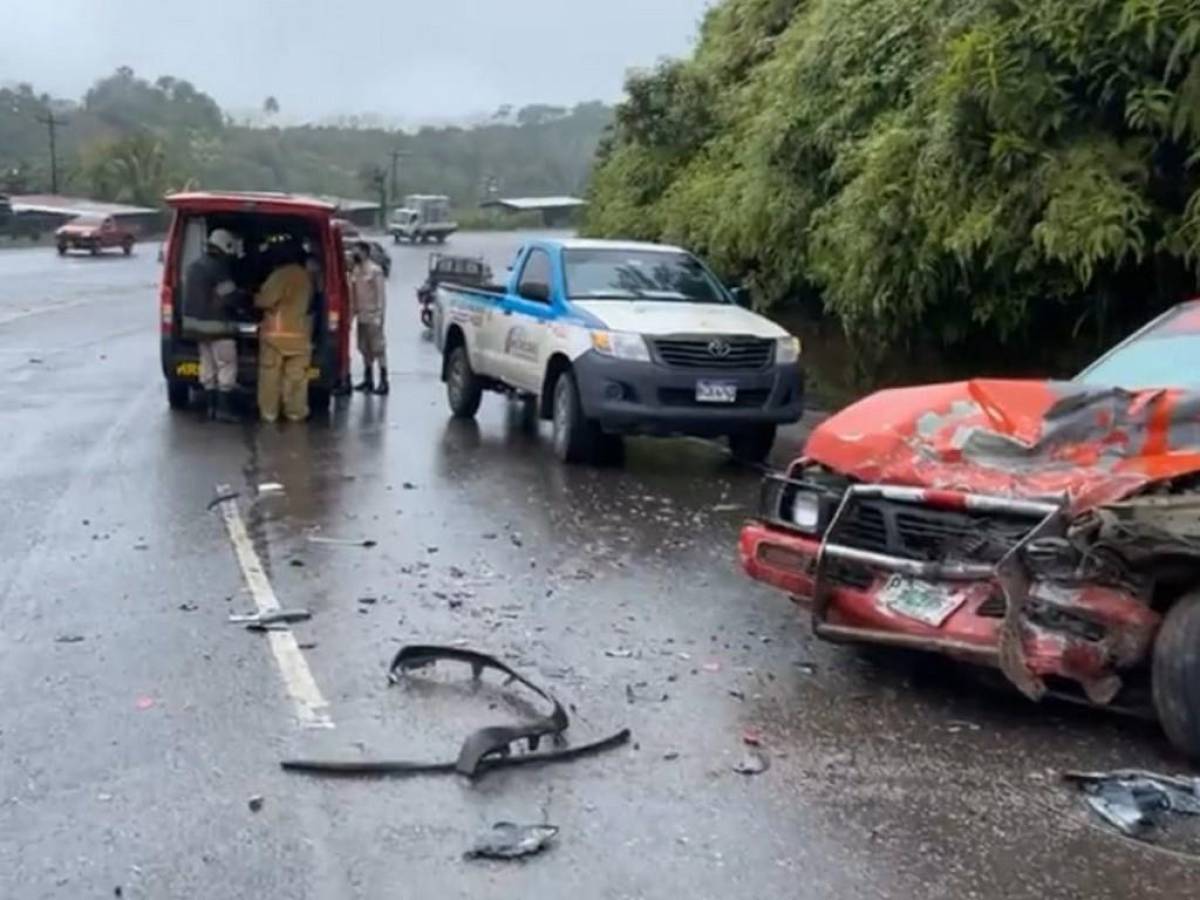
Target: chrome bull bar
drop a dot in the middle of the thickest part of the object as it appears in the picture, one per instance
(1048, 517)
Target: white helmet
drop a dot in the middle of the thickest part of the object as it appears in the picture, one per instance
(224, 241)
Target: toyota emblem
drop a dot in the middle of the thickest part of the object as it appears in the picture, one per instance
(719, 348)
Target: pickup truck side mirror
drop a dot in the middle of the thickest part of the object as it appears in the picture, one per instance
(741, 296)
(536, 291)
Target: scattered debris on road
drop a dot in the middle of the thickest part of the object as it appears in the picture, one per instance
(276, 620)
(144, 703)
(255, 803)
(619, 653)
(508, 840)
(270, 487)
(753, 762)
(69, 639)
(368, 601)
(222, 498)
(342, 542)
(1134, 801)
(488, 748)
(188, 607)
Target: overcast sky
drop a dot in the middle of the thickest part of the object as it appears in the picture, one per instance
(399, 58)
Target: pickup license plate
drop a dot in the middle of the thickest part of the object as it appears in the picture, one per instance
(932, 604)
(716, 392)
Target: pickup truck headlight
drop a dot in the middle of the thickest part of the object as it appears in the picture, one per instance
(788, 350)
(805, 513)
(621, 345)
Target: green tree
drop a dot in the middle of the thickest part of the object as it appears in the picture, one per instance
(941, 170)
(129, 170)
(271, 106)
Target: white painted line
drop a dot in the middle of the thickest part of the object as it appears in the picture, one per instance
(312, 709)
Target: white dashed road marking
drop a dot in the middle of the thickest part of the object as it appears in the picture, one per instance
(312, 709)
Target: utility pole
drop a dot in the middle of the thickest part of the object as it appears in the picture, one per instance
(396, 155)
(53, 123)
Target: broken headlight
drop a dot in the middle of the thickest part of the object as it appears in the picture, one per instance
(805, 513)
(806, 507)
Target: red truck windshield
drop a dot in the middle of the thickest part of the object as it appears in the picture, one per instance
(1163, 355)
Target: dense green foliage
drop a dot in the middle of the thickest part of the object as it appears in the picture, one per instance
(131, 139)
(945, 170)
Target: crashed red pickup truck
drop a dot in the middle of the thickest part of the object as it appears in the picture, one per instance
(1048, 529)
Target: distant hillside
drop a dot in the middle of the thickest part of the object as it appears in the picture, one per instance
(131, 139)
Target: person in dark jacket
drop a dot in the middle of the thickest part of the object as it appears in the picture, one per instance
(209, 297)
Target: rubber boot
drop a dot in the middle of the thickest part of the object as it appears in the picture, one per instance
(224, 411)
(383, 387)
(368, 382)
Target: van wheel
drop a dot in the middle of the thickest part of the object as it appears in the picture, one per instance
(62, 249)
(464, 389)
(576, 439)
(1176, 675)
(179, 394)
(127, 247)
(752, 446)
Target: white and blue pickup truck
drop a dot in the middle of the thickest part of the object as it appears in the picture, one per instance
(610, 338)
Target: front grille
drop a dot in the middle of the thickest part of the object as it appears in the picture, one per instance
(754, 398)
(715, 352)
(926, 534)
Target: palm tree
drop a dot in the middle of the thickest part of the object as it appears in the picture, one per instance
(131, 170)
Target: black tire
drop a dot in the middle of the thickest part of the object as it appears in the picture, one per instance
(464, 390)
(396, 238)
(127, 247)
(94, 249)
(752, 446)
(576, 439)
(1176, 675)
(62, 249)
(179, 394)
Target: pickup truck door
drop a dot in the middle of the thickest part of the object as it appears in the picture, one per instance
(522, 346)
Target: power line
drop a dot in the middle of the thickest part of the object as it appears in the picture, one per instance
(53, 123)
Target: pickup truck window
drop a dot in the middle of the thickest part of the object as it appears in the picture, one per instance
(535, 277)
(639, 275)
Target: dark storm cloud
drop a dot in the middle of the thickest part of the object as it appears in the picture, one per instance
(394, 57)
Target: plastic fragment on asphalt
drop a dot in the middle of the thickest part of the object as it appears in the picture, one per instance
(508, 840)
(491, 747)
(753, 762)
(268, 620)
(342, 542)
(144, 703)
(1136, 802)
(270, 487)
(619, 653)
(255, 803)
(222, 498)
(69, 639)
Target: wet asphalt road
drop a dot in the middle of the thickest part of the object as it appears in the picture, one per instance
(138, 722)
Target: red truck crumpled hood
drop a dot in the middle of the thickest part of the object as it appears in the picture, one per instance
(1016, 438)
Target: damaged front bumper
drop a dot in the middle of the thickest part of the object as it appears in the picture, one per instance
(998, 613)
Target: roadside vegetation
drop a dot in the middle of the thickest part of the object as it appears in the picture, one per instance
(1009, 182)
(130, 140)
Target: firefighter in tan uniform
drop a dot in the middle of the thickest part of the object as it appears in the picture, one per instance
(368, 302)
(285, 339)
